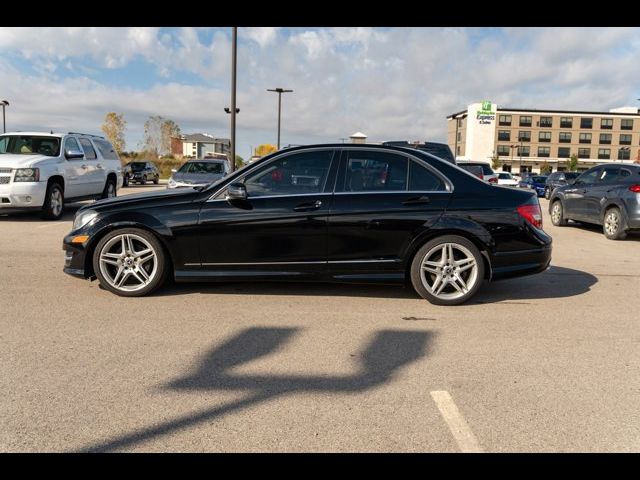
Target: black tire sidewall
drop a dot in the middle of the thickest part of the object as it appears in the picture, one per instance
(416, 264)
(105, 192)
(160, 254)
(46, 208)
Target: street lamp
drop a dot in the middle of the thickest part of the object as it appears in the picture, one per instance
(280, 91)
(233, 110)
(4, 104)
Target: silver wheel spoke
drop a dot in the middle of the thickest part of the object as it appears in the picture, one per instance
(457, 280)
(120, 277)
(444, 258)
(110, 261)
(142, 252)
(138, 276)
(436, 282)
(124, 268)
(443, 283)
(439, 268)
(130, 245)
(143, 274)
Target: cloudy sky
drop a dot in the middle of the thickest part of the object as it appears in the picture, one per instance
(390, 83)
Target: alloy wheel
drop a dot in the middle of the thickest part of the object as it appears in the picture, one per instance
(449, 271)
(612, 222)
(56, 202)
(128, 262)
(556, 213)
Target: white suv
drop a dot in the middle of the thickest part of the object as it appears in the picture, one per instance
(43, 170)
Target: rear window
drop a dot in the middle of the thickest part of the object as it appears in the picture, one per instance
(486, 169)
(89, 152)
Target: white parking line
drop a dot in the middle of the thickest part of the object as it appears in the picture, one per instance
(458, 426)
(53, 224)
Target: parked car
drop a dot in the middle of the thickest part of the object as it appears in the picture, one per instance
(142, 172)
(534, 182)
(607, 195)
(197, 173)
(557, 179)
(426, 221)
(440, 150)
(505, 178)
(42, 171)
(474, 170)
(488, 175)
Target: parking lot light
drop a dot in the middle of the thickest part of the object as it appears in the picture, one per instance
(4, 104)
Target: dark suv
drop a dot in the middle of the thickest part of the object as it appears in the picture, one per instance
(141, 172)
(558, 179)
(607, 195)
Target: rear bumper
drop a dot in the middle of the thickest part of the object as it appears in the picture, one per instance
(520, 263)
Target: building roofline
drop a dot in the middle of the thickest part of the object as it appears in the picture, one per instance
(574, 112)
(453, 115)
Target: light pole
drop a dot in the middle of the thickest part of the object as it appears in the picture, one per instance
(233, 110)
(4, 104)
(280, 91)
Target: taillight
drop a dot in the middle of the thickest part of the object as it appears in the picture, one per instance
(635, 188)
(493, 180)
(531, 213)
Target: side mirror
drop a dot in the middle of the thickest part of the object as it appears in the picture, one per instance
(174, 170)
(71, 154)
(236, 191)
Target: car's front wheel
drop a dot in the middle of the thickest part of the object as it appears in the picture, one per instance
(547, 193)
(130, 262)
(557, 214)
(613, 225)
(53, 202)
(109, 189)
(447, 270)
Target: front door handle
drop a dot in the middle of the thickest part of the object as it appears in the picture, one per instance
(84, 167)
(417, 200)
(307, 206)
(99, 165)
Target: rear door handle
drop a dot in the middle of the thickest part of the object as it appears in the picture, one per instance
(307, 206)
(417, 200)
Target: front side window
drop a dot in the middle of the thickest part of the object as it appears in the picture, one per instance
(609, 175)
(295, 174)
(589, 177)
(89, 152)
(71, 144)
(421, 179)
(30, 145)
(375, 172)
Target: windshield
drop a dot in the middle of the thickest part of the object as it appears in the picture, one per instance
(504, 176)
(137, 166)
(30, 145)
(539, 179)
(215, 168)
(571, 175)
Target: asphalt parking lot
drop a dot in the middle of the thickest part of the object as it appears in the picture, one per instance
(546, 363)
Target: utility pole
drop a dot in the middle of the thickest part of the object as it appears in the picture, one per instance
(4, 104)
(280, 91)
(234, 43)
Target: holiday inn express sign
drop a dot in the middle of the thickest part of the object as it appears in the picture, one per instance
(486, 115)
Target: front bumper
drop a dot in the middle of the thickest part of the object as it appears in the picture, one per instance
(22, 195)
(74, 257)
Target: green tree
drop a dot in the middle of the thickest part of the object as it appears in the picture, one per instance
(496, 163)
(113, 127)
(239, 162)
(572, 163)
(545, 168)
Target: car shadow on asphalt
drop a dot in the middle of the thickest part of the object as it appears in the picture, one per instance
(386, 353)
(34, 215)
(597, 229)
(556, 282)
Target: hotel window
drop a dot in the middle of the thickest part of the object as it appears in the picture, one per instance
(523, 151)
(544, 151)
(624, 154)
(504, 135)
(504, 120)
(459, 136)
(626, 124)
(524, 136)
(606, 123)
(544, 136)
(525, 121)
(564, 152)
(565, 137)
(586, 122)
(625, 139)
(503, 150)
(604, 153)
(605, 138)
(566, 122)
(585, 138)
(458, 150)
(546, 122)
(584, 153)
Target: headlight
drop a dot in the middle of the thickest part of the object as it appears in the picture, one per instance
(84, 217)
(27, 175)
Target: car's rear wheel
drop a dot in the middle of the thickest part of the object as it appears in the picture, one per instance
(447, 270)
(613, 225)
(130, 262)
(53, 202)
(109, 189)
(557, 214)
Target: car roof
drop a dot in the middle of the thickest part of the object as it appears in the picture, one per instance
(39, 134)
(213, 160)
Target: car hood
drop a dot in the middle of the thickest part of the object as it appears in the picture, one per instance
(141, 199)
(9, 160)
(196, 178)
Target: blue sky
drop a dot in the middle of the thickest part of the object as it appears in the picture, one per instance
(391, 83)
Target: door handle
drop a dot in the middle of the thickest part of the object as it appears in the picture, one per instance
(417, 200)
(305, 207)
(99, 165)
(83, 167)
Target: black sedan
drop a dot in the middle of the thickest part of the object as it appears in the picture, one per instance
(607, 195)
(345, 213)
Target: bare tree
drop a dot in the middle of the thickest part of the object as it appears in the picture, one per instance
(157, 134)
(113, 127)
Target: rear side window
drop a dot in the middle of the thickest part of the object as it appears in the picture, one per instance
(375, 172)
(106, 149)
(423, 180)
(89, 152)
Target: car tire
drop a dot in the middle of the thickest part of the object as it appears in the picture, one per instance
(135, 270)
(125, 182)
(53, 207)
(144, 180)
(557, 214)
(443, 281)
(613, 225)
(156, 180)
(547, 193)
(110, 190)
